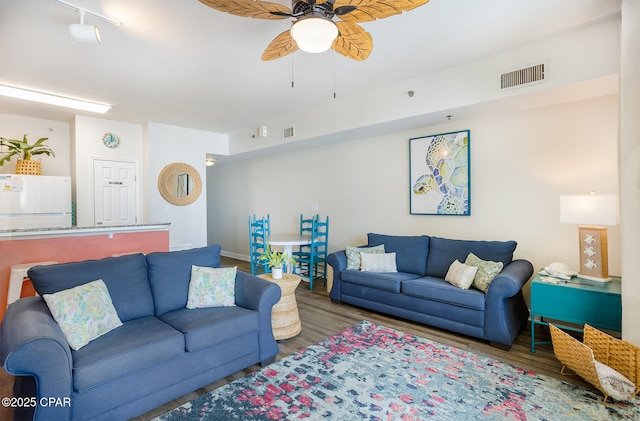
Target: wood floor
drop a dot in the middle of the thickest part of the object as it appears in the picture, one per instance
(321, 318)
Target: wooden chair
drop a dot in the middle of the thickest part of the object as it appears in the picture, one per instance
(312, 258)
(610, 364)
(259, 230)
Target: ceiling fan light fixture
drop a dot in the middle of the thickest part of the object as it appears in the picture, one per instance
(314, 34)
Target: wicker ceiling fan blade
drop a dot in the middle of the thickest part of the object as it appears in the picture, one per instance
(353, 41)
(281, 46)
(368, 10)
(250, 8)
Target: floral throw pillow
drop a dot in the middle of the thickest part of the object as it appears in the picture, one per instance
(487, 270)
(84, 313)
(212, 287)
(353, 255)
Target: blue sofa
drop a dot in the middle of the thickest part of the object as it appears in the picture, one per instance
(419, 292)
(162, 350)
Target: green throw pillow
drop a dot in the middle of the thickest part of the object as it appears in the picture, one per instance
(83, 313)
(212, 287)
(487, 270)
(353, 255)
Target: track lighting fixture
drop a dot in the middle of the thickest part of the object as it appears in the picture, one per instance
(84, 32)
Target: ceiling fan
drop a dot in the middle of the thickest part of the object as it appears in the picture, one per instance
(313, 29)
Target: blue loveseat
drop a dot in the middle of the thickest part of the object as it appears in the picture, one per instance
(419, 292)
(162, 350)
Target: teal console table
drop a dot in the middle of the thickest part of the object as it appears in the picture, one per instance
(577, 301)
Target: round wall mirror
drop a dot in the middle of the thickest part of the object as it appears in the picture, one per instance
(179, 184)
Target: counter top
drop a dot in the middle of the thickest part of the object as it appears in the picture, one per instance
(76, 231)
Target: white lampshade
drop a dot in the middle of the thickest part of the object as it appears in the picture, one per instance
(314, 34)
(589, 209)
(84, 33)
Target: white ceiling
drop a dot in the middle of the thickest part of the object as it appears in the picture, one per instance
(180, 62)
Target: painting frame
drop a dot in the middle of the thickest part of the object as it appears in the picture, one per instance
(440, 174)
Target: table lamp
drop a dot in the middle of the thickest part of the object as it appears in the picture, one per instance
(595, 210)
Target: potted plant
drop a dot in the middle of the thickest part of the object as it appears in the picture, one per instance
(24, 151)
(275, 260)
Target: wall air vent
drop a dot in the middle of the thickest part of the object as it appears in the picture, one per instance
(523, 77)
(287, 133)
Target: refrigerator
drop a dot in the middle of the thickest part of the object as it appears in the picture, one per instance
(34, 201)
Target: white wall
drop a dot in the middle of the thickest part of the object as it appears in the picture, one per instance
(630, 168)
(167, 144)
(16, 126)
(586, 53)
(88, 146)
(520, 165)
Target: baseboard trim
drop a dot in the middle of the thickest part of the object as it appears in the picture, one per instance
(243, 257)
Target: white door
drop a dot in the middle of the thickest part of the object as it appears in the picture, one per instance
(114, 192)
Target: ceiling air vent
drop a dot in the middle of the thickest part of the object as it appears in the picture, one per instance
(521, 77)
(287, 133)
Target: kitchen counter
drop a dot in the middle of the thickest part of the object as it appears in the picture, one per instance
(18, 234)
(24, 246)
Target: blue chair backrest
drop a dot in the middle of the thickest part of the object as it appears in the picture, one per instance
(320, 233)
(306, 225)
(259, 230)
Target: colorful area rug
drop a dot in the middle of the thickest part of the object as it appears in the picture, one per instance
(371, 372)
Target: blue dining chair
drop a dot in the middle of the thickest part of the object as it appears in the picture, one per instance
(312, 258)
(259, 230)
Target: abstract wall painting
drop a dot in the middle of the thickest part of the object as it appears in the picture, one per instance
(439, 171)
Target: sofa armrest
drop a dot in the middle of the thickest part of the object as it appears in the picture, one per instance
(338, 262)
(505, 310)
(258, 294)
(32, 344)
(511, 280)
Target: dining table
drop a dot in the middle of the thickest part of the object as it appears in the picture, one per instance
(287, 242)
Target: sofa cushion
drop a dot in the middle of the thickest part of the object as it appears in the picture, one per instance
(353, 254)
(386, 281)
(212, 287)
(438, 289)
(83, 313)
(411, 251)
(170, 273)
(124, 276)
(205, 327)
(443, 251)
(135, 345)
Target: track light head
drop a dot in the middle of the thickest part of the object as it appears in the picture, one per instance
(85, 33)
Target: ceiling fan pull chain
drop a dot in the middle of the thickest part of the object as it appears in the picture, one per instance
(334, 77)
(292, 77)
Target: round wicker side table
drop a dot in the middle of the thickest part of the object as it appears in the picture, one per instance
(285, 320)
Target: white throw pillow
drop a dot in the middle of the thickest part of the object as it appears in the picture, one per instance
(616, 385)
(460, 275)
(378, 262)
(212, 287)
(84, 313)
